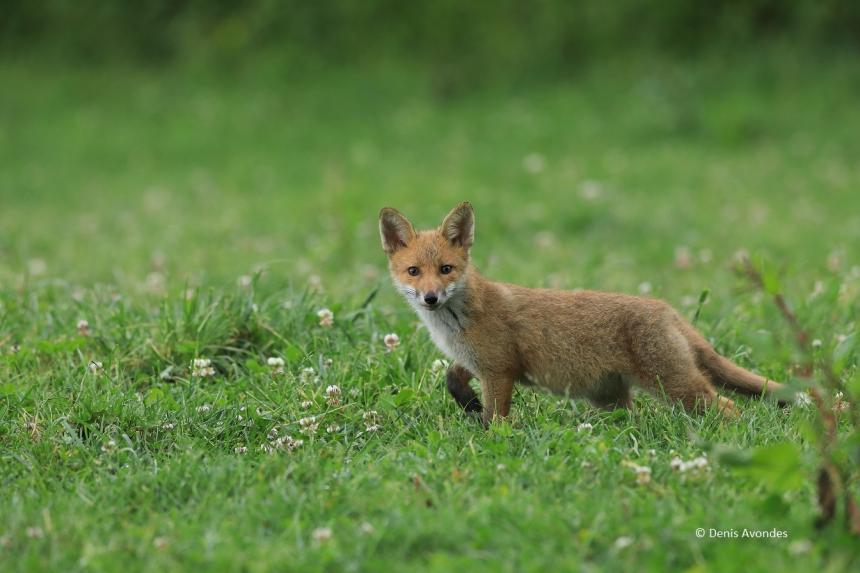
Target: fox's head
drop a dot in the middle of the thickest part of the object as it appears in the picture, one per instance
(428, 267)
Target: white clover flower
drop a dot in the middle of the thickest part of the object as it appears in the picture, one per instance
(584, 427)
(544, 240)
(160, 542)
(354, 392)
(366, 528)
(286, 443)
(590, 190)
(840, 404)
(155, 282)
(202, 367)
(438, 366)
(699, 463)
(326, 317)
(696, 466)
(371, 420)
(204, 408)
(321, 534)
(391, 341)
(315, 282)
(534, 163)
(83, 327)
(306, 404)
(203, 372)
(802, 399)
(333, 395)
(817, 289)
(683, 257)
(644, 287)
(307, 375)
(622, 542)
(109, 446)
(35, 532)
(800, 547)
(36, 266)
(688, 300)
(244, 281)
(834, 260)
(95, 366)
(168, 426)
(643, 473)
(308, 425)
(816, 343)
(332, 429)
(276, 363)
(241, 449)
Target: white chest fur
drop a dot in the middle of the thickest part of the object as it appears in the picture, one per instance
(446, 329)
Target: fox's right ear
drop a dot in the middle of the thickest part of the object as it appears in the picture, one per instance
(395, 230)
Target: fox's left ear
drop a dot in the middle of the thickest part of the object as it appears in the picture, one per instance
(459, 225)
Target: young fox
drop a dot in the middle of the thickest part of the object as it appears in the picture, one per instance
(582, 344)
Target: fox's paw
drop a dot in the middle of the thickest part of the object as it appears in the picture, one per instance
(473, 406)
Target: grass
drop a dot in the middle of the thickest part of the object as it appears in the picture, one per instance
(185, 214)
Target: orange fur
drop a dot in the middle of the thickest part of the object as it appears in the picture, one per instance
(587, 344)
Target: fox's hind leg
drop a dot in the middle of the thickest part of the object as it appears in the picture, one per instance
(694, 392)
(457, 380)
(665, 365)
(612, 392)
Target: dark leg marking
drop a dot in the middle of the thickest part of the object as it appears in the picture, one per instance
(457, 380)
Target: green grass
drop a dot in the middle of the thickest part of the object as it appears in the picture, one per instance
(136, 199)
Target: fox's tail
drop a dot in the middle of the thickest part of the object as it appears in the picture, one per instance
(724, 372)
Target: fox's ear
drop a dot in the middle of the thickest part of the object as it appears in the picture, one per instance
(459, 225)
(395, 230)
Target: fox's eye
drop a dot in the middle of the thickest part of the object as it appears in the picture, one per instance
(413, 271)
(446, 269)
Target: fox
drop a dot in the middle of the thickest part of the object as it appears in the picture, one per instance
(581, 344)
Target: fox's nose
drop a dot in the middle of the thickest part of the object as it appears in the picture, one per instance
(431, 298)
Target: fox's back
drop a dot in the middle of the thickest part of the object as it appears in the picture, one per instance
(566, 337)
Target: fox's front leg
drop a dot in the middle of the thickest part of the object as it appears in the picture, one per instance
(497, 391)
(457, 380)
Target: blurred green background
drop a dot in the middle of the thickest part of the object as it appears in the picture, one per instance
(149, 148)
(196, 141)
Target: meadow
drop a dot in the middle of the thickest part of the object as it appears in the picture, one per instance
(153, 217)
